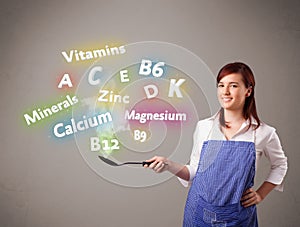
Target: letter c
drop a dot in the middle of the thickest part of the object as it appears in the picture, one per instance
(55, 130)
(92, 73)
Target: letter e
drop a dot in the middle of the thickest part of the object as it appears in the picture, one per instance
(124, 76)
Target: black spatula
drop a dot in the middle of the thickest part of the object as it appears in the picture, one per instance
(112, 163)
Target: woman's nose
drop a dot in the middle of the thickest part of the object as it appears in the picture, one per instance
(226, 90)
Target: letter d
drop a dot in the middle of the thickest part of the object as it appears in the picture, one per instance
(153, 88)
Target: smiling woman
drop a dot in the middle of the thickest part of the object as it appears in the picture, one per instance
(222, 165)
(232, 92)
(236, 81)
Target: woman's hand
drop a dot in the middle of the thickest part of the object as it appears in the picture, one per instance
(250, 197)
(159, 164)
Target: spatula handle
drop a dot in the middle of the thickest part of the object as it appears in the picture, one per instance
(146, 163)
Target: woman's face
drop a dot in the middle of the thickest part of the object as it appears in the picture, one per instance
(232, 92)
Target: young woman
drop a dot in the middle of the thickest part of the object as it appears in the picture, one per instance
(222, 165)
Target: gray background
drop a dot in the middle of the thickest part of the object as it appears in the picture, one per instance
(46, 183)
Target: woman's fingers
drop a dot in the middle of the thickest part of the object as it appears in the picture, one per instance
(158, 164)
(250, 197)
(249, 190)
(152, 160)
(154, 163)
(247, 194)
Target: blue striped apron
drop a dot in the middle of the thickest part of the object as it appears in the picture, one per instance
(226, 169)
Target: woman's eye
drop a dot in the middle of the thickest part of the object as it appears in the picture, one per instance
(234, 85)
(220, 85)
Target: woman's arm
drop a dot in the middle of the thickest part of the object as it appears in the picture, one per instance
(161, 164)
(273, 151)
(252, 197)
(184, 172)
(277, 158)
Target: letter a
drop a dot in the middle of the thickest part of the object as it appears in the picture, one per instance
(65, 81)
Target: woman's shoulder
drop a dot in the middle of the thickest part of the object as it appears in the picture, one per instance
(206, 122)
(203, 128)
(265, 128)
(265, 131)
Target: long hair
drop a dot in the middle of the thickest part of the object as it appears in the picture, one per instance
(244, 70)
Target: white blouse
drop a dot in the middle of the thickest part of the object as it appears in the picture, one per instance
(266, 143)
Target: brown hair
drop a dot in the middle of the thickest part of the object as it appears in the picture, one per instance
(249, 81)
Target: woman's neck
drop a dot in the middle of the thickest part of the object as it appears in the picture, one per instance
(233, 116)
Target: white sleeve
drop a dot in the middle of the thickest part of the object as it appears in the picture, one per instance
(274, 152)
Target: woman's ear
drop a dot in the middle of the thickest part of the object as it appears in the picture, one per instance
(249, 91)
